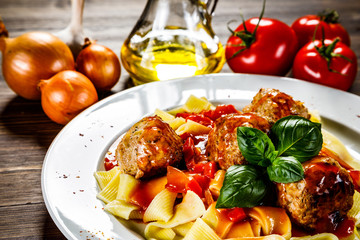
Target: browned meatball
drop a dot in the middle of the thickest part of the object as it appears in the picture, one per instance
(326, 189)
(222, 145)
(273, 105)
(148, 148)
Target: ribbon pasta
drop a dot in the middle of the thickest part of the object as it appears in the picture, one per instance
(190, 219)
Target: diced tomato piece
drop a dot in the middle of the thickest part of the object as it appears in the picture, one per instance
(110, 163)
(194, 186)
(355, 175)
(183, 115)
(210, 169)
(202, 180)
(236, 214)
(201, 119)
(186, 135)
(220, 111)
(193, 156)
(189, 152)
(198, 168)
(176, 180)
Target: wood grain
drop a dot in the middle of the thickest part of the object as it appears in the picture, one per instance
(26, 132)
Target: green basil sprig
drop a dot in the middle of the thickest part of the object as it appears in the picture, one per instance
(277, 157)
(247, 180)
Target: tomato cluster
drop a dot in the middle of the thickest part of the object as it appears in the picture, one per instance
(199, 171)
(316, 47)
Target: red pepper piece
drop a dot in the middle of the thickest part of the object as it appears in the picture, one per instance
(194, 186)
(236, 214)
(210, 169)
(201, 119)
(176, 180)
(110, 163)
(220, 111)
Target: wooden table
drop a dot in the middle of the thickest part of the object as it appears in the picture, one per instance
(26, 132)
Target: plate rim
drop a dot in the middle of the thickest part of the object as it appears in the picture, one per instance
(65, 231)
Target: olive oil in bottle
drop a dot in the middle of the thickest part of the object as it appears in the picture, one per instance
(172, 39)
(156, 60)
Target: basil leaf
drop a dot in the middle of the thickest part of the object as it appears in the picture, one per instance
(255, 145)
(297, 136)
(285, 170)
(243, 187)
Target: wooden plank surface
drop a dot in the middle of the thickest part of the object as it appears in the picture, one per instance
(26, 132)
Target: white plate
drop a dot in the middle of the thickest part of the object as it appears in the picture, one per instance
(68, 185)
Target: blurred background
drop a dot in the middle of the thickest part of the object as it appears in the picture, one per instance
(110, 21)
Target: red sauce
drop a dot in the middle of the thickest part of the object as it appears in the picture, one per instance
(320, 182)
(147, 190)
(110, 161)
(342, 227)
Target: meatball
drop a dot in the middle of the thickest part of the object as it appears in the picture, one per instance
(326, 189)
(222, 145)
(273, 105)
(148, 148)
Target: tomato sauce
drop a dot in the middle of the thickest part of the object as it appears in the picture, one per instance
(147, 190)
(342, 228)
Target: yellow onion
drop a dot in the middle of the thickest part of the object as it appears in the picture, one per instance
(65, 95)
(100, 64)
(31, 57)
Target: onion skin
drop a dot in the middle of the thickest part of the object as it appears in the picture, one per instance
(65, 95)
(100, 64)
(31, 57)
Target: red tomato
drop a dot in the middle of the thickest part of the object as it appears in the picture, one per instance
(210, 169)
(270, 51)
(176, 180)
(236, 214)
(312, 66)
(305, 26)
(194, 186)
(200, 118)
(197, 117)
(219, 111)
(110, 162)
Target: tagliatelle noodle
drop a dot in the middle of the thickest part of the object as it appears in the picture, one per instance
(241, 229)
(193, 105)
(217, 221)
(315, 116)
(177, 122)
(158, 233)
(109, 193)
(200, 230)
(104, 177)
(217, 182)
(188, 210)
(161, 207)
(335, 145)
(123, 209)
(269, 237)
(355, 210)
(196, 105)
(127, 185)
(165, 116)
(272, 220)
(192, 127)
(182, 229)
(256, 228)
(321, 236)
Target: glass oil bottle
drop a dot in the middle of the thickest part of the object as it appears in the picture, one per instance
(172, 39)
